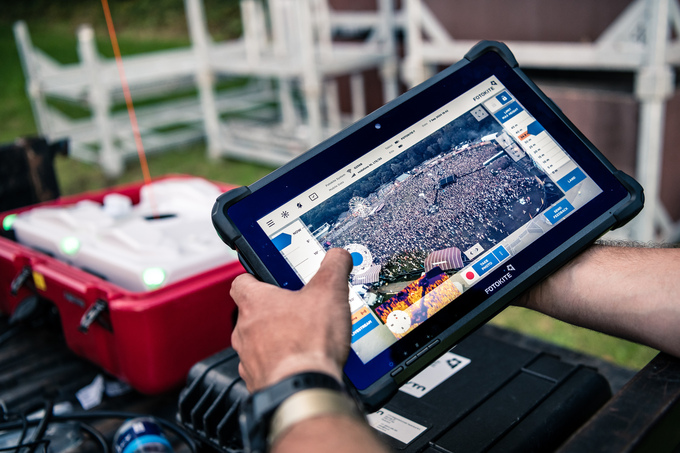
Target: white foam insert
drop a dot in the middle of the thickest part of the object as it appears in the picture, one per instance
(170, 228)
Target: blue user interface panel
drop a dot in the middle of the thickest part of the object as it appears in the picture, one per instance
(432, 211)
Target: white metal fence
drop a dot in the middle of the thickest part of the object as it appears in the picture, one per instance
(642, 40)
(287, 49)
(289, 53)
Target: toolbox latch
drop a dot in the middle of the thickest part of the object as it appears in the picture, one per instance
(19, 280)
(93, 314)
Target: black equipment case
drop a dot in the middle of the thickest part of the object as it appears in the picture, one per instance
(507, 398)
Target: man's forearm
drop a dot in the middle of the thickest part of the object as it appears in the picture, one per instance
(337, 434)
(629, 292)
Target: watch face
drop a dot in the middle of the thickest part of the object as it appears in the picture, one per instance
(398, 321)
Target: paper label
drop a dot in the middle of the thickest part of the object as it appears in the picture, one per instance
(116, 388)
(394, 425)
(428, 379)
(91, 395)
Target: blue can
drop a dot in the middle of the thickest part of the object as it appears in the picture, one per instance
(141, 435)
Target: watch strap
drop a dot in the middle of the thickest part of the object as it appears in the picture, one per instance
(258, 409)
(308, 404)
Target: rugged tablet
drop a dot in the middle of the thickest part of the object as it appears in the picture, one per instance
(452, 199)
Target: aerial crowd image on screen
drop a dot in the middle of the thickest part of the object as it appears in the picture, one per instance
(423, 216)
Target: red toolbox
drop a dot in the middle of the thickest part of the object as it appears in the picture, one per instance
(149, 339)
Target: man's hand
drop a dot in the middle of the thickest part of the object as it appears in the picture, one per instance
(280, 332)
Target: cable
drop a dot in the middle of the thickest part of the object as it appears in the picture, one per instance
(126, 92)
(98, 415)
(128, 102)
(96, 435)
(42, 425)
(95, 415)
(17, 447)
(24, 430)
(23, 423)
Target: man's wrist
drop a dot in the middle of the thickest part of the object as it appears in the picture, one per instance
(258, 409)
(301, 363)
(308, 404)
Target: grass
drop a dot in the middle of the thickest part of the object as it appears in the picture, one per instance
(16, 118)
(147, 25)
(606, 347)
(76, 177)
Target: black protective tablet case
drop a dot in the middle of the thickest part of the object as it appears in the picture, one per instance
(381, 389)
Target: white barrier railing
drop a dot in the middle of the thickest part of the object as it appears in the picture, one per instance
(290, 54)
(288, 47)
(291, 42)
(641, 40)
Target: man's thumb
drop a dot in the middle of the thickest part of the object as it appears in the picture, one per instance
(334, 269)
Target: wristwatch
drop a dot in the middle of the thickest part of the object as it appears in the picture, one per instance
(258, 409)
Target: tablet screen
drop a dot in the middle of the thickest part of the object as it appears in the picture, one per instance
(432, 210)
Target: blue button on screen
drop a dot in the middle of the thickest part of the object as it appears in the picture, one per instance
(501, 253)
(282, 241)
(363, 326)
(357, 258)
(485, 264)
(503, 98)
(535, 128)
(508, 112)
(558, 212)
(573, 177)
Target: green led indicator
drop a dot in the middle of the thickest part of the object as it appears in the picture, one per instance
(70, 245)
(8, 221)
(153, 277)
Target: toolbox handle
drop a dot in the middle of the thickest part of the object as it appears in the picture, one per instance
(92, 314)
(19, 280)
